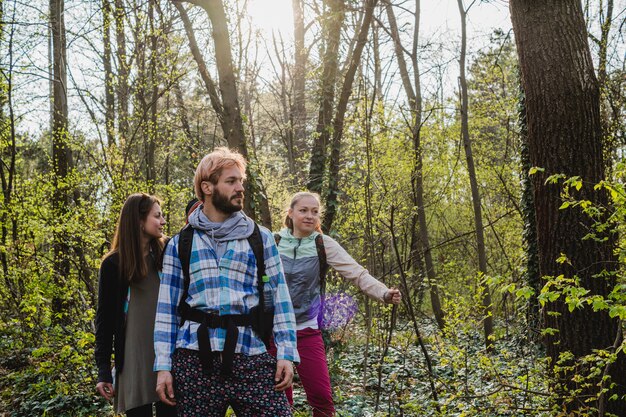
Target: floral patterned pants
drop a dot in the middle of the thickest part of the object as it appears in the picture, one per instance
(249, 390)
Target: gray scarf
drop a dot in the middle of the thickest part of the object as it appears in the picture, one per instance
(236, 227)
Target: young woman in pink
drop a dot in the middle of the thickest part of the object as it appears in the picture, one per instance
(299, 254)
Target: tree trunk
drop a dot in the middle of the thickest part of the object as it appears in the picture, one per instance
(122, 90)
(209, 84)
(609, 126)
(332, 24)
(8, 156)
(232, 123)
(151, 133)
(532, 278)
(193, 143)
(298, 108)
(61, 153)
(342, 105)
(421, 242)
(233, 132)
(109, 94)
(478, 218)
(565, 137)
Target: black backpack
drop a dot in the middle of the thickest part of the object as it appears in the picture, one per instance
(260, 318)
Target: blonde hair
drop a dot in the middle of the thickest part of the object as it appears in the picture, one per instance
(294, 200)
(212, 165)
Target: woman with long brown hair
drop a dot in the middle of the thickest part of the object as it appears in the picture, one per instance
(127, 298)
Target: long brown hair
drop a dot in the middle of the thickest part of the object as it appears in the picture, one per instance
(294, 200)
(127, 238)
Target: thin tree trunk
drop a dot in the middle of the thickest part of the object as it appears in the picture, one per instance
(287, 111)
(154, 84)
(342, 105)
(8, 156)
(122, 90)
(409, 304)
(422, 242)
(609, 127)
(233, 132)
(61, 154)
(298, 108)
(478, 218)
(565, 137)
(193, 143)
(109, 93)
(209, 84)
(332, 23)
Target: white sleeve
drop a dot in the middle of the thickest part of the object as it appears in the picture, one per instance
(347, 267)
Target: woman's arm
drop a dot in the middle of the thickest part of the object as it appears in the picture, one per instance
(105, 318)
(347, 267)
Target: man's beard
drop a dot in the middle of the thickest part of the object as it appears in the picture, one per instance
(222, 203)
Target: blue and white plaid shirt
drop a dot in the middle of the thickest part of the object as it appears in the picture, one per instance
(225, 287)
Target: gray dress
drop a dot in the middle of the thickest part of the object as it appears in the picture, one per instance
(137, 383)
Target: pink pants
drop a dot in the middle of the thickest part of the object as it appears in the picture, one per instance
(313, 372)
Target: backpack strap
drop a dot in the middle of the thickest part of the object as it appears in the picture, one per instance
(277, 238)
(159, 261)
(184, 253)
(321, 256)
(256, 243)
(185, 240)
(263, 315)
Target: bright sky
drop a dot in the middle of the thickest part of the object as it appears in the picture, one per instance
(440, 23)
(438, 16)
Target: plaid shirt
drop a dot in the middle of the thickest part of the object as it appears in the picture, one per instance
(227, 286)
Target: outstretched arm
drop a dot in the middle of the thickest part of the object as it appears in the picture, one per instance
(349, 269)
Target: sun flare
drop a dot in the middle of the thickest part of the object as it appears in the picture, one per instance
(272, 16)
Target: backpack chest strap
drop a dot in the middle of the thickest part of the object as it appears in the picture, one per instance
(215, 321)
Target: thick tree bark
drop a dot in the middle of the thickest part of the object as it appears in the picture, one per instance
(333, 22)
(342, 106)
(471, 170)
(565, 137)
(532, 276)
(420, 243)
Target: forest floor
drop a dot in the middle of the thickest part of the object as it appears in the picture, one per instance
(468, 381)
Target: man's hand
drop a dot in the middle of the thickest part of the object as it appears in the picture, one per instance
(284, 375)
(106, 390)
(393, 296)
(165, 387)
